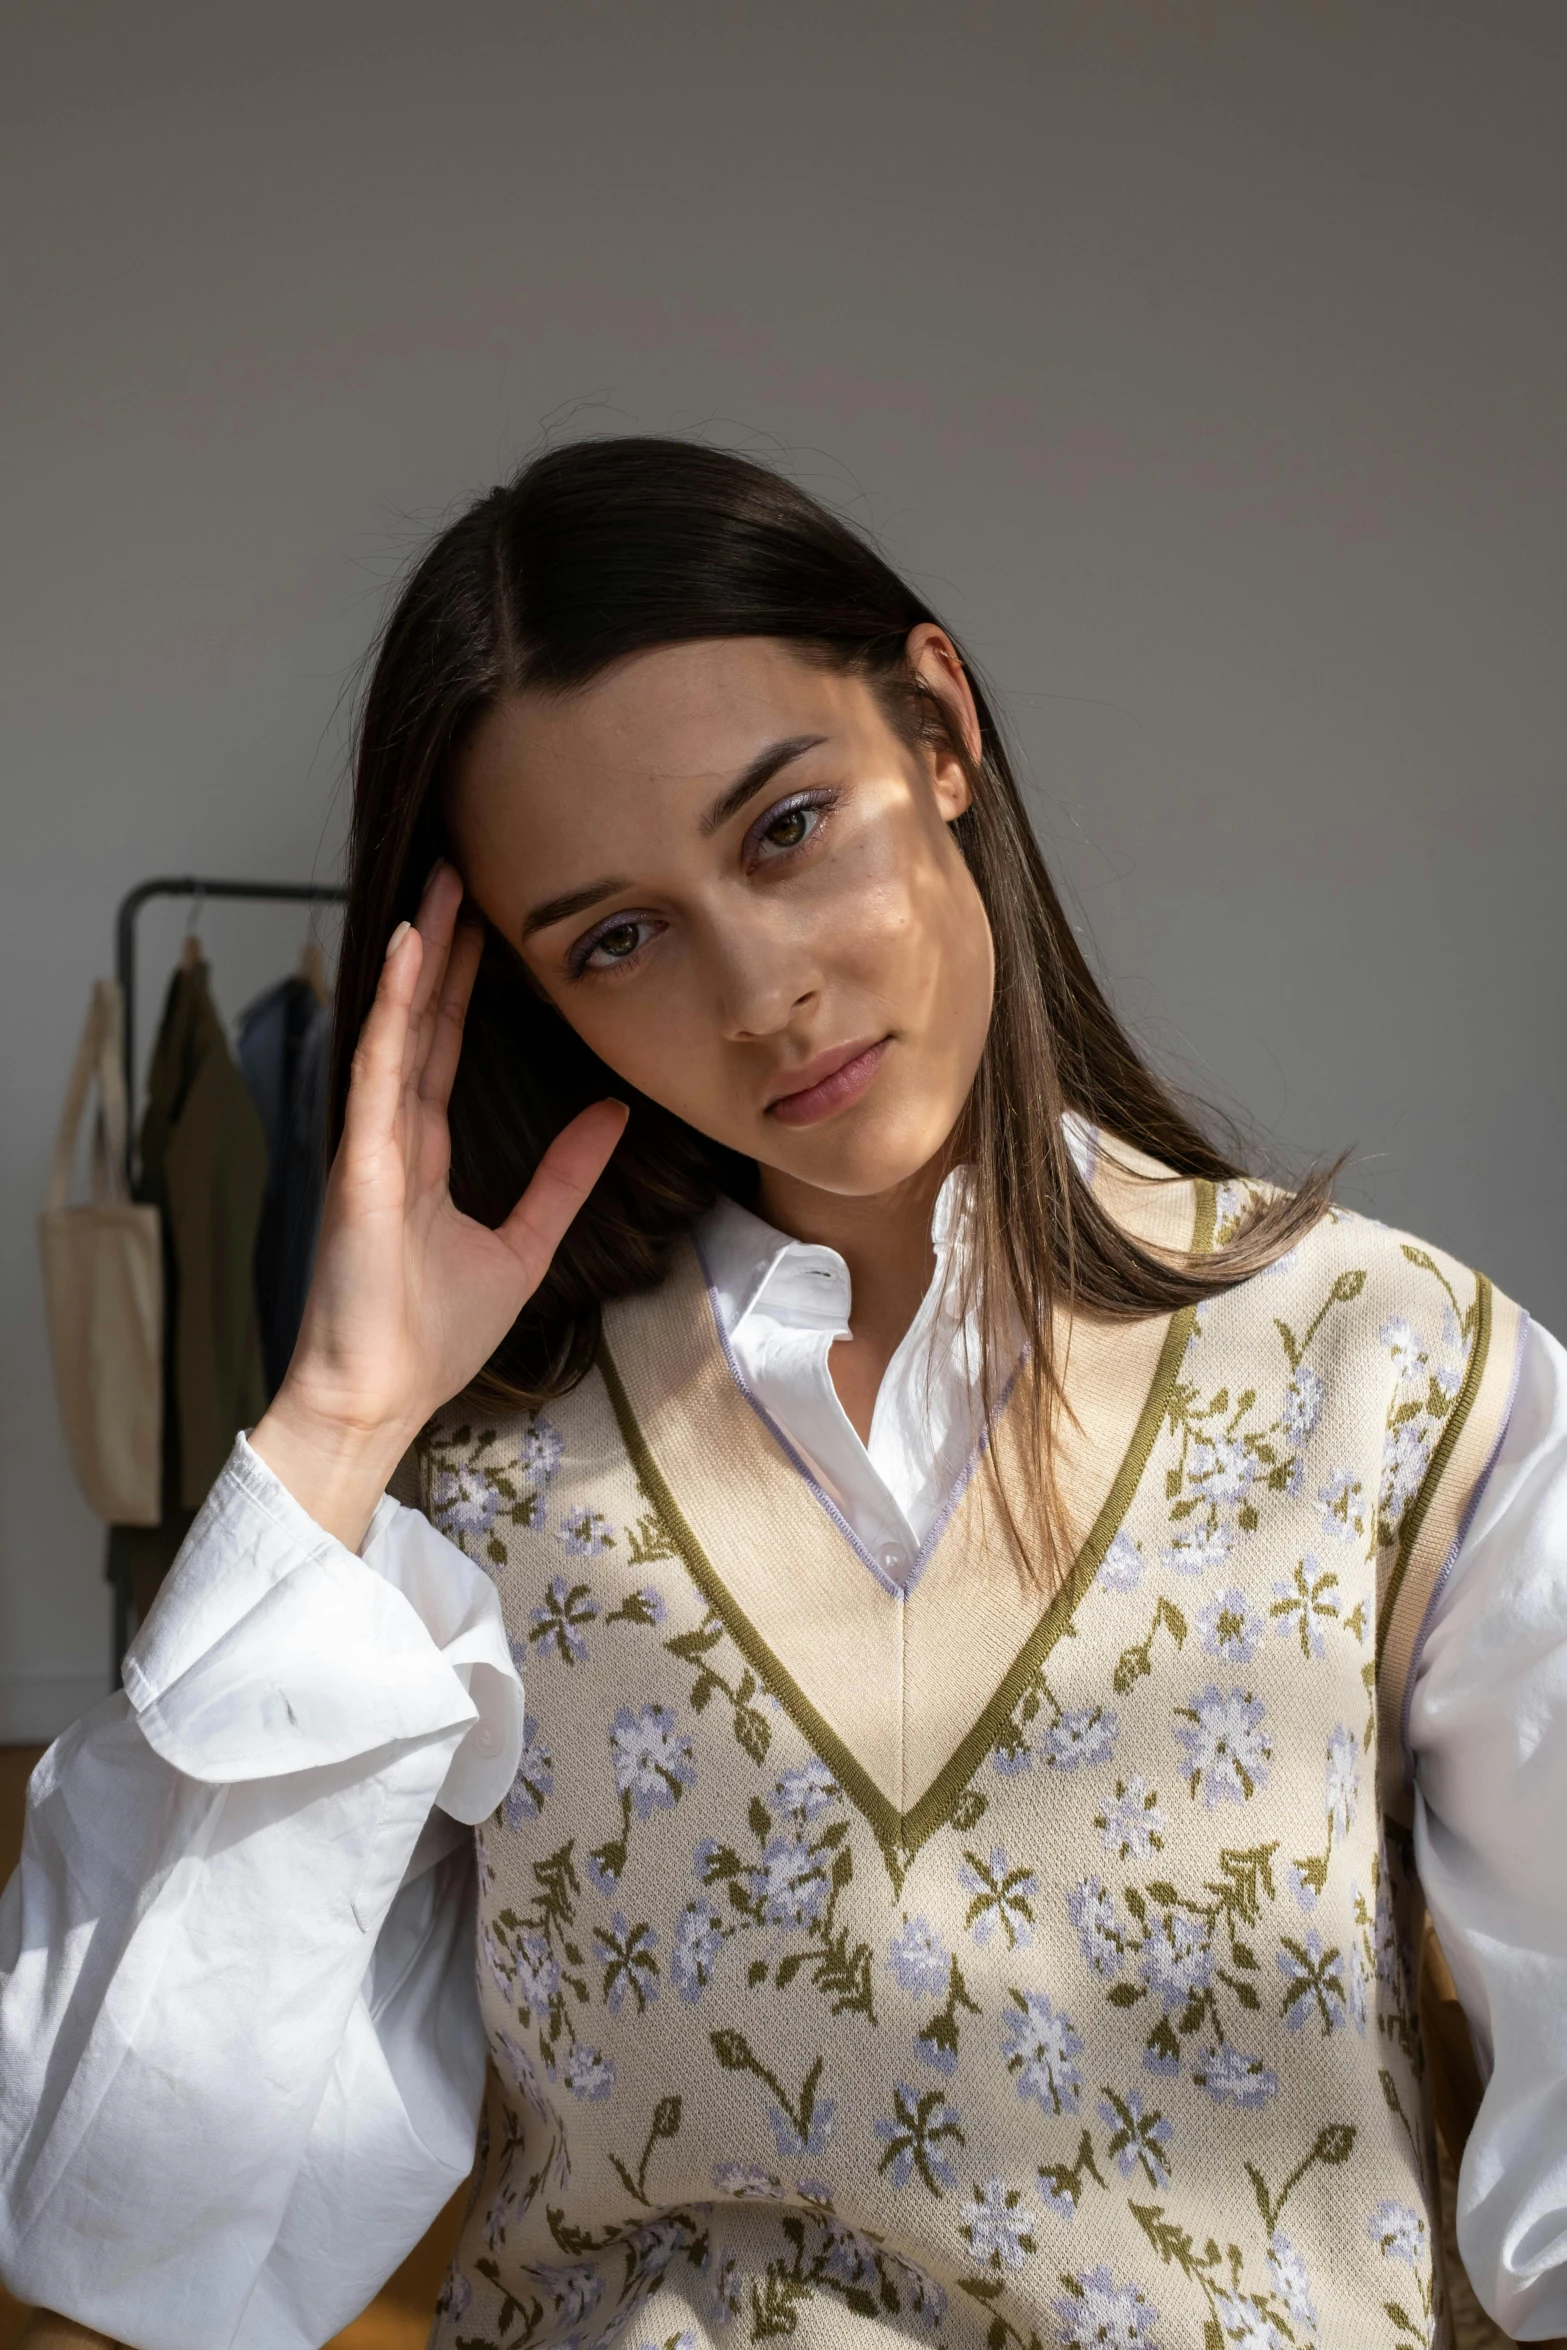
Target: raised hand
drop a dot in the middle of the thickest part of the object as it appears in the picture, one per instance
(409, 1296)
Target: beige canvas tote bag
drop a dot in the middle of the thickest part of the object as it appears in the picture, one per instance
(103, 1291)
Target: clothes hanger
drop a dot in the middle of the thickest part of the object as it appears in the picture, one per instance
(193, 955)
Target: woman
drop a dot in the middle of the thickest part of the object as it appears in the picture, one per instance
(1006, 1605)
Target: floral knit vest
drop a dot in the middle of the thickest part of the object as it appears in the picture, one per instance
(977, 1964)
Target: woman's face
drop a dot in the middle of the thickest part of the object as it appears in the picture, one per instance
(740, 887)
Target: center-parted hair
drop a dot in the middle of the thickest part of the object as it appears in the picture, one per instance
(604, 548)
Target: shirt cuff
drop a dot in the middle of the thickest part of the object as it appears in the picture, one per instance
(272, 1648)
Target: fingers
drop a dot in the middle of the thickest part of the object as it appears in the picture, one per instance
(565, 1175)
(376, 1086)
(451, 1009)
(439, 903)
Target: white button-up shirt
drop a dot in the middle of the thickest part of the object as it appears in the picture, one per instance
(780, 1306)
(241, 2057)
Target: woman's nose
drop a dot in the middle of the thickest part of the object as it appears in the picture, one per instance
(764, 980)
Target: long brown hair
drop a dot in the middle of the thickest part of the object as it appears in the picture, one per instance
(604, 548)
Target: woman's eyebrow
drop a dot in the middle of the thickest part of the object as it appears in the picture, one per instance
(755, 777)
(575, 901)
(760, 773)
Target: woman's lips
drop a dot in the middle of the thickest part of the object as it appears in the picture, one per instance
(830, 1092)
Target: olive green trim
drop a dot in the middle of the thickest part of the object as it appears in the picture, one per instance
(940, 1797)
(855, 1782)
(1415, 1515)
(901, 1834)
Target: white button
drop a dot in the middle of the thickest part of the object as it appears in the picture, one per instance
(485, 1739)
(894, 1561)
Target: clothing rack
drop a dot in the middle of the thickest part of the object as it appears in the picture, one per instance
(189, 885)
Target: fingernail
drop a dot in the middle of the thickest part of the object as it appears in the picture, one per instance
(396, 939)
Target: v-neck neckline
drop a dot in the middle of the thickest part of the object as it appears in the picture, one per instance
(923, 1550)
(900, 1691)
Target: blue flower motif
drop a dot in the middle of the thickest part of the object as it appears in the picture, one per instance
(560, 1620)
(535, 1777)
(1223, 1470)
(918, 1959)
(792, 1886)
(747, 2182)
(1057, 2196)
(1176, 1962)
(652, 1758)
(849, 2258)
(787, 2138)
(913, 2139)
(1343, 1779)
(1301, 1886)
(630, 1968)
(588, 2073)
(998, 2226)
(1243, 2320)
(585, 1533)
(455, 2294)
(1002, 1899)
(536, 1975)
(1340, 1507)
(1085, 1735)
(1040, 2047)
(1230, 1628)
(1302, 1405)
(1198, 1549)
(540, 1450)
(1290, 2280)
(1123, 1564)
(1137, 2137)
(940, 2055)
(1231, 2078)
(1227, 1749)
(1133, 1825)
(1103, 1944)
(1314, 1983)
(699, 1938)
(804, 1791)
(1398, 2233)
(464, 1500)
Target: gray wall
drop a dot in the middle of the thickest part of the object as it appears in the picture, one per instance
(1208, 364)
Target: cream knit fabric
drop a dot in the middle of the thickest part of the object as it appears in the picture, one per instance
(975, 1965)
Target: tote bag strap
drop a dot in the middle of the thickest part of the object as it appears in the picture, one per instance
(97, 1055)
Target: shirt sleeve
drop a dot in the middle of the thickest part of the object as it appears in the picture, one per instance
(1488, 1734)
(241, 2059)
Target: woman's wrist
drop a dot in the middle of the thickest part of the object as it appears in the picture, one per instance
(336, 1470)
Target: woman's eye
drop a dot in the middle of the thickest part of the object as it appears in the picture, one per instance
(788, 830)
(617, 943)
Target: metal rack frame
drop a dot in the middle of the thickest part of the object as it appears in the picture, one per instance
(188, 885)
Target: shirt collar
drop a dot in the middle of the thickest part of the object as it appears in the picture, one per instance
(753, 1267)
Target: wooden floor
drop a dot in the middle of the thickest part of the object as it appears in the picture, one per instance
(399, 2316)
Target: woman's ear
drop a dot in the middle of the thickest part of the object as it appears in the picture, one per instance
(936, 665)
